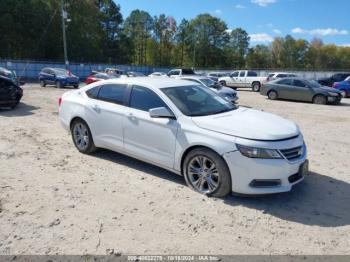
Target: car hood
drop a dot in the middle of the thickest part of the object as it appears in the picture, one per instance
(329, 89)
(249, 123)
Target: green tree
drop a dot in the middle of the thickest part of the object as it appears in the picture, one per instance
(259, 57)
(237, 48)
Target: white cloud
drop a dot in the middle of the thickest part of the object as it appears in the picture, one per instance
(240, 6)
(262, 37)
(217, 12)
(263, 3)
(228, 31)
(277, 31)
(345, 45)
(320, 31)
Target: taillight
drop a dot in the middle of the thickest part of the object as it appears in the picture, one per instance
(59, 101)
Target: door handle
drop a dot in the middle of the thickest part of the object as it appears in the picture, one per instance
(96, 108)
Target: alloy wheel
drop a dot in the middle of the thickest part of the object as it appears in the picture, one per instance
(203, 174)
(81, 136)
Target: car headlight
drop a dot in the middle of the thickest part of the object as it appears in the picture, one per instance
(253, 152)
(332, 94)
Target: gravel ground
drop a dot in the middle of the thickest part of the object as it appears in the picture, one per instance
(54, 200)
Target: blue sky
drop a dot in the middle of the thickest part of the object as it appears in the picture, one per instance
(262, 19)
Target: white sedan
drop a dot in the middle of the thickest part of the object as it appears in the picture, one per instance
(218, 147)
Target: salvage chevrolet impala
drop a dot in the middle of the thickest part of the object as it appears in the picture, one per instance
(190, 130)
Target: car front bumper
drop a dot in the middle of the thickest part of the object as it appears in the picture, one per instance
(254, 176)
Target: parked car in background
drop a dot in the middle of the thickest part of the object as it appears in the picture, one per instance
(94, 77)
(134, 74)
(158, 74)
(180, 72)
(10, 92)
(300, 90)
(115, 72)
(343, 87)
(274, 76)
(225, 92)
(59, 77)
(190, 130)
(216, 75)
(11, 74)
(243, 79)
(329, 81)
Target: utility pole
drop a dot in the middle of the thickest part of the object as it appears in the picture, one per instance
(64, 16)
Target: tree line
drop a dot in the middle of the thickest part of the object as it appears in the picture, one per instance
(97, 32)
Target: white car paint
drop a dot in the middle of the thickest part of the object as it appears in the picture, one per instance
(242, 78)
(164, 142)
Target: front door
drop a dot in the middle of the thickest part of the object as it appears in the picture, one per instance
(149, 138)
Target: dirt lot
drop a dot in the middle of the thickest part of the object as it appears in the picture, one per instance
(56, 200)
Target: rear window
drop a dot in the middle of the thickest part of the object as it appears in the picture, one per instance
(287, 81)
(93, 92)
(252, 74)
(187, 72)
(112, 93)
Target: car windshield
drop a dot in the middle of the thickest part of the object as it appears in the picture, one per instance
(347, 79)
(208, 82)
(313, 83)
(197, 100)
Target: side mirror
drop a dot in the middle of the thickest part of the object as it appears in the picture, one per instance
(161, 112)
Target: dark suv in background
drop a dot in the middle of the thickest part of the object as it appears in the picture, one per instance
(59, 77)
(329, 81)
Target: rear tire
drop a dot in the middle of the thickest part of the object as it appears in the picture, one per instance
(272, 95)
(76, 86)
(42, 83)
(207, 173)
(82, 137)
(319, 100)
(256, 87)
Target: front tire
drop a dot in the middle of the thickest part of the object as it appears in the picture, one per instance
(207, 173)
(59, 84)
(319, 100)
(42, 83)
(343, 93)
(82, 137)
(272, 95)
(223, 83)
(76, 86)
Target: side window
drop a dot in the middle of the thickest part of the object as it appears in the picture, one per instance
(93, 92)
(234, 74)
(287, 82)
(112, 93)
(299, 83)
(282, 75)
(2, 83)
(242, 74)
(144, 99)
(252, 73)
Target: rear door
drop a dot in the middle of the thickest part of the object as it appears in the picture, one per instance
(105, 114)
(284, 88)
(149, 138)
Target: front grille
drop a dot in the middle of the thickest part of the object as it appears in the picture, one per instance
(292, 153)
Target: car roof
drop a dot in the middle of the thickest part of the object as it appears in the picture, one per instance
(153, 83)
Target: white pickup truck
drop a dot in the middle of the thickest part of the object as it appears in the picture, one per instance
(243, 78)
